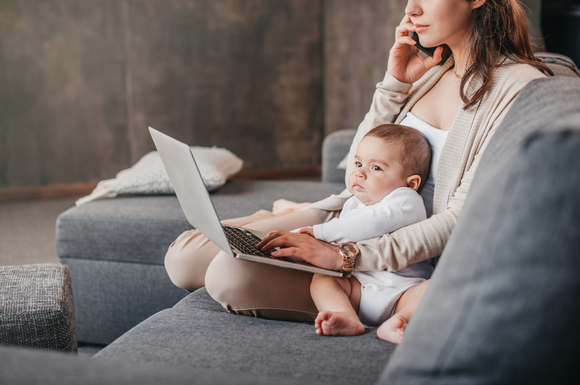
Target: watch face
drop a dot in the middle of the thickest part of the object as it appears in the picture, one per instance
(349, 250)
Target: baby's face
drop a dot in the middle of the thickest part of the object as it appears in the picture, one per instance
(377, 171)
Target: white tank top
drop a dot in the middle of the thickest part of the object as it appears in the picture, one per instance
(436, 138)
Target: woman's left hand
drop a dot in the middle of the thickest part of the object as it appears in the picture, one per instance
(303, 246)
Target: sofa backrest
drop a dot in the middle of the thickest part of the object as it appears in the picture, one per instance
(560, 64)
(334, 148)
(502, 306)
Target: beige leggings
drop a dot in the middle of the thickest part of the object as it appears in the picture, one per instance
(245, 287)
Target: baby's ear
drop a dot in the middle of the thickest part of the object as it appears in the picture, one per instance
(414, 181)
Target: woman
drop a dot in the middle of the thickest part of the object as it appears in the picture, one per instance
(458, 99)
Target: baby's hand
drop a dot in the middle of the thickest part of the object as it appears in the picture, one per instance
(306, 230)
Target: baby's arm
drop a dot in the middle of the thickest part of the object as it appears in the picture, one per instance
(403, 209)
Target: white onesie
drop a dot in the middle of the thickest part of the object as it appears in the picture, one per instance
(380, 289)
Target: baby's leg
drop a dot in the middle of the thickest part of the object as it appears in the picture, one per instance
(393, 329)
(337, 300)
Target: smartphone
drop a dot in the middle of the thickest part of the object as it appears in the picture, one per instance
(428, 51)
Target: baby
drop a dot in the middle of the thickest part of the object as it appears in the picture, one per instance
(391, 166)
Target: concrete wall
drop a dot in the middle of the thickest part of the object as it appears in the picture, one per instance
(80, 81)
(357, 38)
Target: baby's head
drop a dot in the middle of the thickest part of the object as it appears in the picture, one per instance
(388, 157)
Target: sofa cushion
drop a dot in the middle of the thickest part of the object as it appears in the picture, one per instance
(502, 306)
(31, 367)
(112, 297)
(199, 334)
(139, 229)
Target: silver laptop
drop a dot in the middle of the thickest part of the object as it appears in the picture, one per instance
(237, 242)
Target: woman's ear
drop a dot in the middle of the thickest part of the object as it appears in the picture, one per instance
(477, 3)
(414, 181)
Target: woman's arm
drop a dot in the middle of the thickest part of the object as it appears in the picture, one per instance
(427, 239)
(392, 252)
(405, 66)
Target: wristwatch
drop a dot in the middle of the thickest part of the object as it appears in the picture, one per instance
(349, 251)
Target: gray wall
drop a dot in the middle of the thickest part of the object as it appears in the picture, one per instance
(357, 38)
(80, 81)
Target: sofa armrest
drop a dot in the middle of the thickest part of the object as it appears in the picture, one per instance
(36, 307)
(334, 148)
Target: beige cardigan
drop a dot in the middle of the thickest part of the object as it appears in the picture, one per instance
(468, 136)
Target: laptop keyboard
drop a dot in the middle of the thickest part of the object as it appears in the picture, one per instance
(245, 241)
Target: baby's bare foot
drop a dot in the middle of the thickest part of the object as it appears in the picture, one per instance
(330, 323)
(393, 329)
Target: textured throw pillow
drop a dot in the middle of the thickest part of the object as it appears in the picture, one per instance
(148, 175)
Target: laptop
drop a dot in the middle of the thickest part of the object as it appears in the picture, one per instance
(237, 242)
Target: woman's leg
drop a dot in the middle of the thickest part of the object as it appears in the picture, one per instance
(189, 256)
(261, 290)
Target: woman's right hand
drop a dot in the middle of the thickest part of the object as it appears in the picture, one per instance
(303, 246)
(405, 64)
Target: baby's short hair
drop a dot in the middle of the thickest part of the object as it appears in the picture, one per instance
(415, 148)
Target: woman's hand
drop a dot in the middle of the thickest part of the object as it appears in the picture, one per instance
(303, 246)
(405, 63)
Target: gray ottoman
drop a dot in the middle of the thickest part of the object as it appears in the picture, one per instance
(36, 307)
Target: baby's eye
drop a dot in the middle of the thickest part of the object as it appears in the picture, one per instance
(376, 168)
(357, 164)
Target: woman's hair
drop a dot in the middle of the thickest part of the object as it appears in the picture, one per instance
(500, 29)
(415, 155)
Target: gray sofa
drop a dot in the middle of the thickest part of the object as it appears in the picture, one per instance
(502, 306)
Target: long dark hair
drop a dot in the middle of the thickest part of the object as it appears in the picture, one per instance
(500, 29)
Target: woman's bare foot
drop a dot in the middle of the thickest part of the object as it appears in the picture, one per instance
(393, 329)
(283, 206)
(330, 323)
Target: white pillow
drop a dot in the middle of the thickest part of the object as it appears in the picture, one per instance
(148, 176)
